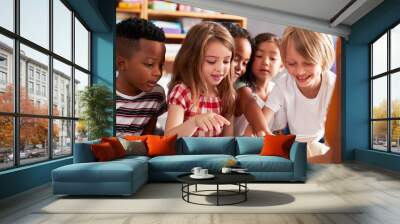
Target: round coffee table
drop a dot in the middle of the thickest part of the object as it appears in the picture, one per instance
(238, 179)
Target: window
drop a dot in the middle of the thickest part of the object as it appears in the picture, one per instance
(40, 69)
(3, 72)
(30, 87)
(44, 91)
(7, 90)
(3, 81)
(7, 14)
(38, 75)
(81, 45)
(3, 61)
(38, 89)
(30, 72)
(385, 94)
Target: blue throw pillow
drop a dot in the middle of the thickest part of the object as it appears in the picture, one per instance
(249, 145)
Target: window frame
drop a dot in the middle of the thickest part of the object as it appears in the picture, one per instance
(389, 73)
(16, 115)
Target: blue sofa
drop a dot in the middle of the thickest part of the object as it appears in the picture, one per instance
(125, 176)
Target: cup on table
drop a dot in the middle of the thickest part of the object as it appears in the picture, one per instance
(226, 170)
(203, 172)
(196, 170)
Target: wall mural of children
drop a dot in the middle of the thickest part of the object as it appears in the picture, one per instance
(140, 58)
(264, 65)
(243, 48)
(201, 99)
(305, 92)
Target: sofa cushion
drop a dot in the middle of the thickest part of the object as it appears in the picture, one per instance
(257, 163)
(185, 163)
(112, 171)
(206, 145)
(128, 159)
(249, 145)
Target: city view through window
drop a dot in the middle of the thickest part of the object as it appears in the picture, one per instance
(39, 113)
(385, 82)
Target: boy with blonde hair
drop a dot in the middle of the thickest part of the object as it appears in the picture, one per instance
(306, 90)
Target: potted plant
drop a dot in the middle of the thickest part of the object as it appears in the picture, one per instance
(96, 103)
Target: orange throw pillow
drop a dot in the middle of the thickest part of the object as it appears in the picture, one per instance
(103, 152)
(277, 145)
(161, 145)
(136, 137)
(116, 145)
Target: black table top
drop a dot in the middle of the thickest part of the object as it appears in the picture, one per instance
(220, 178)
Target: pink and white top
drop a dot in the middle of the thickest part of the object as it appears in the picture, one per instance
(181, 95)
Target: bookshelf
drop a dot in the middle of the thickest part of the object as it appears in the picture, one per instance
(142, 10)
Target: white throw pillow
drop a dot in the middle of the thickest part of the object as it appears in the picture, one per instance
(134, 147)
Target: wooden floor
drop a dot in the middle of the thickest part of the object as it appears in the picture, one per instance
(378, 189)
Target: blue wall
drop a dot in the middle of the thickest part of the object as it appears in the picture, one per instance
(24, 178)
(356, 83)
(103, 52)
(99, 16)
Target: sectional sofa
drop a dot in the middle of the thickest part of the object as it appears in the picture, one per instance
(125, 176)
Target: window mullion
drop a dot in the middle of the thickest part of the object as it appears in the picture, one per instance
(371, 87)
(16, 83)
(73, 82)
(50, 80)
(389, 108)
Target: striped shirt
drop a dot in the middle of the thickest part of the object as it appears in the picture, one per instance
(135, 112)
(181, 95)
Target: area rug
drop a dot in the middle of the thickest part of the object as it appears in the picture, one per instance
(167, 198)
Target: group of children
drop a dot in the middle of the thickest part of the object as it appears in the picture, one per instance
(224, 83)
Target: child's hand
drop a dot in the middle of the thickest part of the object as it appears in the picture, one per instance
(260, 134)
(248, 131)
(210, 121)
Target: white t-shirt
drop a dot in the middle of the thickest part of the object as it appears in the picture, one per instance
(278, 122)
(306, 117)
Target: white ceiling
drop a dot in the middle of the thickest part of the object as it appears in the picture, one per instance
(317, 15)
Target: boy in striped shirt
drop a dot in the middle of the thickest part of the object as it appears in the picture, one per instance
(140, 58)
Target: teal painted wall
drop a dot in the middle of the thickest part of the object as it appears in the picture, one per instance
(99, 16)
(103, 52)
(379, 159)
(24, 178)
(356, 83)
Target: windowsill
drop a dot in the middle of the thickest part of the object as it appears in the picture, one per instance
(379, 152)
(26, 167)
(381, 159)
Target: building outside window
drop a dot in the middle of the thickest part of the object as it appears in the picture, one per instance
(56, 127)
(3, 78)
(38, 75)
(38, 89)
(43, 90)
(385, 92)
(44, 78)
(3, 81)
(30, 87)
(30, 72)
(3, 61)
(3, 72)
